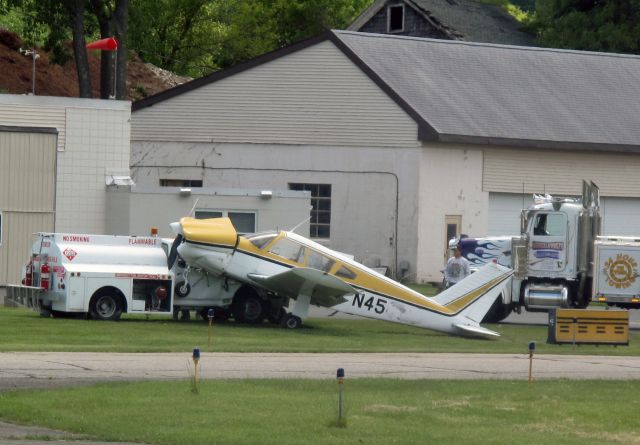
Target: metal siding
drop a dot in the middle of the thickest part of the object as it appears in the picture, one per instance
(504, 213)
(313, 96)
(620, 216)
(560, 172)
(27, 191)
(27, 167)
(15, 248)
(40, 116)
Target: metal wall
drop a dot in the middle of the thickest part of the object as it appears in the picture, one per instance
(135, 210)
(312, 96)
(27, 193)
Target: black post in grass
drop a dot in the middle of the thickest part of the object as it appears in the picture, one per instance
(196, 366)
(532, 348)
(342, 420)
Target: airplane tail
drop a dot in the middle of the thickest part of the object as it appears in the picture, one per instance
(472, 297)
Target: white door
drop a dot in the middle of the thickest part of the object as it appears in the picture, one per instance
(620, 216)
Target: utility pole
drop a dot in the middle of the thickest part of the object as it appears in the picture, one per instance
(34, 55)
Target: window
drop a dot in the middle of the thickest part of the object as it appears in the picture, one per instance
(320, 226)
(206, 214)
(550, 224)
(261, 239)
(243, 222)
(395, 18)
(318, 261)
(345, 273)
(181, 183)
(288, 249)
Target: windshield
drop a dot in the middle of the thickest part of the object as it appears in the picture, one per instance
(261, 239)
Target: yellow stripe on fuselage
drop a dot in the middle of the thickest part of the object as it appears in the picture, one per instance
(467, 299)
(369, 281)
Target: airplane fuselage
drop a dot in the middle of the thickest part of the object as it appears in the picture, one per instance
(373, 296)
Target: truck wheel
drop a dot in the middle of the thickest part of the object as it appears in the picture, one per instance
(498, 312)
(105, 306)
(291, 321)
(248, 307)
(45, 312)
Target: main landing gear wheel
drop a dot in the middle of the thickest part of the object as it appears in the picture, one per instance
(291, 321)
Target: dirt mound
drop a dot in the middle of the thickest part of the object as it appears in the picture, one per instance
(143, 79)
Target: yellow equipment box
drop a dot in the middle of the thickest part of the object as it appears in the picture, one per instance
(585, 326)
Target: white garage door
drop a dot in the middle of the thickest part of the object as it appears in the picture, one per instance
(620, 216)
(504, 213)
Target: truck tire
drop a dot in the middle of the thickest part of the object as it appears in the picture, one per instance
(106, 305)
(248, 307)
(498, 312)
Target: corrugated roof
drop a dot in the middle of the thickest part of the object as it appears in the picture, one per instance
(508, 94)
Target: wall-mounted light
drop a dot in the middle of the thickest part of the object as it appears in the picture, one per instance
(185, 192)
(266, 194)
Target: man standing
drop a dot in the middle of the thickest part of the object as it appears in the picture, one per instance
(457, 268)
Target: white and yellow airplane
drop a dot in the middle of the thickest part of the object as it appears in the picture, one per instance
(292, 266)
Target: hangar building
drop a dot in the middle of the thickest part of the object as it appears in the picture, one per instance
(403, 141)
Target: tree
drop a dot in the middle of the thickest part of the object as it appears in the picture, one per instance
(595, 25)
(112, 20)
(195, 37)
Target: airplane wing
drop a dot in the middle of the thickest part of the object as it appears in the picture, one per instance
(324, 289)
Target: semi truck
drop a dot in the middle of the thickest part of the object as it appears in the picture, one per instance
(103, 276)
(560, 260)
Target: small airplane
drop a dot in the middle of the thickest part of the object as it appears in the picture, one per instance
(292, 266)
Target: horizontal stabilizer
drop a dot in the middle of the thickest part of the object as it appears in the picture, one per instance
(484, 275)
(324, 289)
(476, 330)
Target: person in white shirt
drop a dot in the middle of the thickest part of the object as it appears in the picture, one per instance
(457, 268)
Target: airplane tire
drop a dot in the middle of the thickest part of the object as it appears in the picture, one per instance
(179, 291)
(248, 307)
(291, 321)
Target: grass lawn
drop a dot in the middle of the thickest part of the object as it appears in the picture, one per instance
(305, 411)
(25, 330)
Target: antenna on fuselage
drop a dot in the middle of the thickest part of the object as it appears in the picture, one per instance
(301, 223)
(193, 209)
